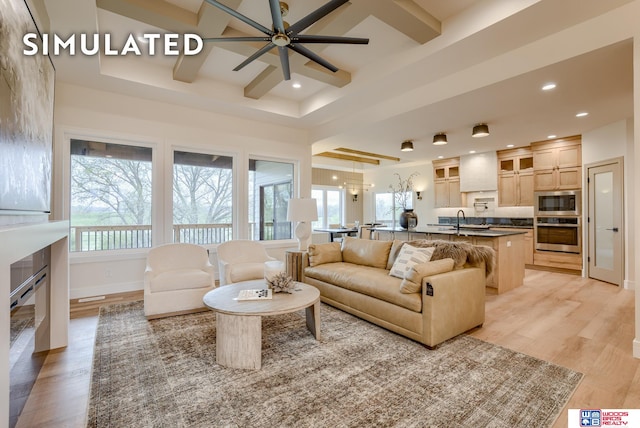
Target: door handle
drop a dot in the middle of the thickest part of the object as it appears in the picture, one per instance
(615, 229)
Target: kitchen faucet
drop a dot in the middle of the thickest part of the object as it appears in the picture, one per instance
(458, 220)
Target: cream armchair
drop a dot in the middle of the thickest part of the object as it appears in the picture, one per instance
(241, 260)
(176, 278)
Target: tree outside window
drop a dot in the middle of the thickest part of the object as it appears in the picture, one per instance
(202, 198)
(110, 196)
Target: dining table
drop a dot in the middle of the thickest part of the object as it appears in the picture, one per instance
(339, 232)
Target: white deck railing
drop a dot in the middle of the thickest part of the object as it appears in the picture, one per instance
(99, 238)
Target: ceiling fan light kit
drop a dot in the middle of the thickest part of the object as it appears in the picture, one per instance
(407, 146)
(284, 36)
(480, 130)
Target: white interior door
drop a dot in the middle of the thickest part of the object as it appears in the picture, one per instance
(605, 234)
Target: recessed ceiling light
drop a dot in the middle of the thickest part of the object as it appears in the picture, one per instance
(509, 145)
(440, 157)
(335, 177)
(296, 85)
(551, 136)
(472, 151)
(582, 114)
(549, 86)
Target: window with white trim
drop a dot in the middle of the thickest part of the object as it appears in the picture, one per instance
(110, 196)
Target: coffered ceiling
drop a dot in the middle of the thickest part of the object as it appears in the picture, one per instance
(431, 66)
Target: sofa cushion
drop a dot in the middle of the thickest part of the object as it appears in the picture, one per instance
(409, 256)
(246, 271)
(366, 252)
(374, 282)
(396, 245)
(324, 253)
(412, 282)
(180, 279)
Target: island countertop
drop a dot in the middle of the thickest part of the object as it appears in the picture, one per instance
(465, 230)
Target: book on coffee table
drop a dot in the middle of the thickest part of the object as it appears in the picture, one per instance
(261, 294)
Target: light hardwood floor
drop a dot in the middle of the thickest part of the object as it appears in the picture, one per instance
(575, 322)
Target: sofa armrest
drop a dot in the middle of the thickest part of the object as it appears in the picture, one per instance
(452, 303)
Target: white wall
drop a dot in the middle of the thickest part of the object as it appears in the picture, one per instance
(86, 113)
(382, 177)
(609, 142)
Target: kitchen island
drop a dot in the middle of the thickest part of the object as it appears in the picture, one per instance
(508, 245)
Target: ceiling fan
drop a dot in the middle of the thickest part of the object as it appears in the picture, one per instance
(286, 37)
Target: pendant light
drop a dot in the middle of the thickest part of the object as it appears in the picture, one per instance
(480, 130)
(407, 146)
(440, 139)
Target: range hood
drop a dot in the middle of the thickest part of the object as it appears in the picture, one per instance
(479, 172)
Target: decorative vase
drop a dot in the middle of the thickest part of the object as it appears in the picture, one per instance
(408, 219)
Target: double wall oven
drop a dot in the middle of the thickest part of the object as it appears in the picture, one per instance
(557, 223)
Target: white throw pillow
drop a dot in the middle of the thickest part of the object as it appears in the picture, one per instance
(408, 257)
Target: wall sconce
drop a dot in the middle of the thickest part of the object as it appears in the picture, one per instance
(355, 198)
(418, 196)
(480, 130)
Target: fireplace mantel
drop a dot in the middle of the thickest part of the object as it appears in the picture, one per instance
(16, 242)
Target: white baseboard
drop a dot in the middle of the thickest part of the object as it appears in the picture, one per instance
(629, 285)
(636, 348)
(100, 290)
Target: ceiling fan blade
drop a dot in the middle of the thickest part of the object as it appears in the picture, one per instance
(284, 60)
(315, 16)
(241, 17)
(266, 48)
(276, 16)
(304, 38)
(313, 57)
(236, 39)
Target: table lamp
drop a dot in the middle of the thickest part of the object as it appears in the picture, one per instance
(304, 211)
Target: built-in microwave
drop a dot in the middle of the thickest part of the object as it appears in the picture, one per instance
(564, 202)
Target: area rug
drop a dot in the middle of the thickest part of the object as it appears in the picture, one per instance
(163, 373)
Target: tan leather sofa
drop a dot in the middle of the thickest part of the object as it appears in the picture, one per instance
(354, 276)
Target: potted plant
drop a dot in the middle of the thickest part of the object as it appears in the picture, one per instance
(402, 194)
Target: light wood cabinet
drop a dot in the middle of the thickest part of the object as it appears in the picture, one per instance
(557, 164)
(529, 244)
(446, 183)
(510, 251)
(515, 177)
(561, 261)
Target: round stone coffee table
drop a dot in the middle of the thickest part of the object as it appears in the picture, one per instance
(239, 323)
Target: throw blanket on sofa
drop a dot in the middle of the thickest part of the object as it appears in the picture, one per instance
(460, 252)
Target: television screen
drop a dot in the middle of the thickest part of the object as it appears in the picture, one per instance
(26, 115)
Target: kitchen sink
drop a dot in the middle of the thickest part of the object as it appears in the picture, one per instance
(472, 227)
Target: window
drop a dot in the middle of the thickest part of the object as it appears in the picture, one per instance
(387, 208)
(330, 207)
(384, 208)
(202, 198)
(270, 188)
(110, 196)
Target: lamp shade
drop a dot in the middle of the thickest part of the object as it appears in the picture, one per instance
(407, 146)
(302, 209)
(439, 139)
(480, 130)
